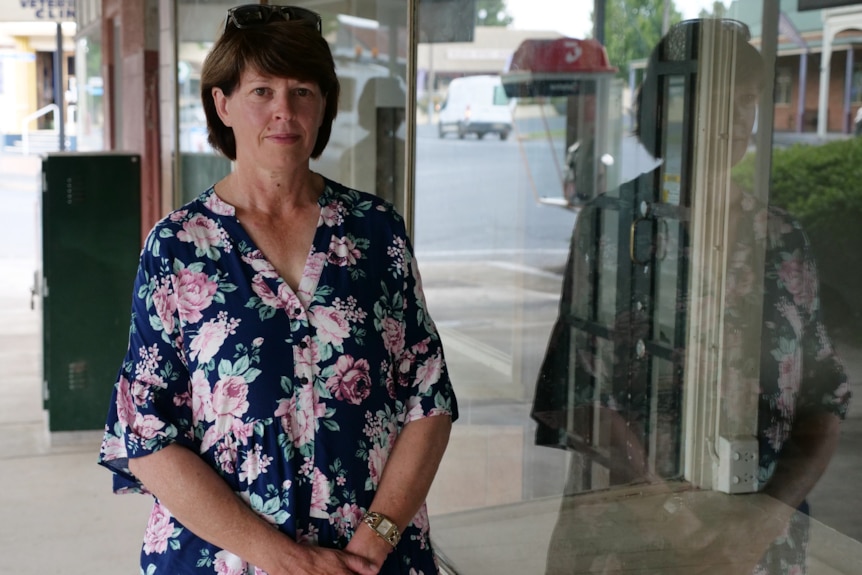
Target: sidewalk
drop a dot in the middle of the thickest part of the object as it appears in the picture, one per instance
(60, 516)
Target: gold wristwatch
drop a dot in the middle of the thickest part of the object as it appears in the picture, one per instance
(384, 527)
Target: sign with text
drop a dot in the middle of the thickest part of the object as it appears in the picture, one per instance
(37, 10)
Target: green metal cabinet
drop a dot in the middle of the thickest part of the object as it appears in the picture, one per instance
(91, 240)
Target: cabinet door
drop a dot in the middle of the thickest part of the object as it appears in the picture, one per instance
(90, 247)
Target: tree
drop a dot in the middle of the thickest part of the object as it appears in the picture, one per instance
(633, 28)
(492, 13)
(719, 10)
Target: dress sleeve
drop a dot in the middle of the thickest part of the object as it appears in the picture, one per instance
(825, 384)
(423, 386)
(150, 405)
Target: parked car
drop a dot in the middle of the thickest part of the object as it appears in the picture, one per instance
(476, 105)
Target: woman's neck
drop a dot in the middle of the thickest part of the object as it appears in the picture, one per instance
(262, 191)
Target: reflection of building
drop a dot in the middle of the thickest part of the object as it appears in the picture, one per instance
(806, 40)
(488, 53)
(819, 67)
(27, 82)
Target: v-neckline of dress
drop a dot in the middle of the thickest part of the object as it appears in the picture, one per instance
(310, 273)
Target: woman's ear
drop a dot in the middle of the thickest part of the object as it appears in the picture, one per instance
(220, 101)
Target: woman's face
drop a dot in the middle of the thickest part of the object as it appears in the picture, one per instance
(274, 120)
(745, 98)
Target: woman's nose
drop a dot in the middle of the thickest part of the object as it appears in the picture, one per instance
(284, 108)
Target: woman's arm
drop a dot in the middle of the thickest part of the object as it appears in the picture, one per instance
(812, 444)
(405, 482)
(195, 494)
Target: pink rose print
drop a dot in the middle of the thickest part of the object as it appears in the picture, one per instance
(393, 335)
(306, 356)
(125, 402)
(166, 304)
(262, 290)
(414, 409)
(287, 299)
(377, 457)
(147, 426)
(195, 292)
(229, 400)
(226, 451)
(178, 215)
(255, 463)
(218, 206)
(226, 563)
(320, 494)
(429, 373)
(299, 415)
(313, 268)
(159, 530)
(332, 327)
(113, 448)
(260, 264)
(351, 382)
(203, 232)
(346, 518)
(201, 398)
(343, 252)
(798, 280)
(210, 337)
(330, 215)
(314, 264)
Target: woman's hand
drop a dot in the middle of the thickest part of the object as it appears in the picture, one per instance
(311, 560)
(365, 543)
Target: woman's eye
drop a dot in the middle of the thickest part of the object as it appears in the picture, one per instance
(260, 91)
(303, 92)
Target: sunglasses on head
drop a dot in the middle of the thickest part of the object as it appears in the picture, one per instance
(252, 15)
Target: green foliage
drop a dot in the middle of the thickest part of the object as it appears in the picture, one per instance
(492, 13)
(822, 187)
(633, 28)
(719, 10)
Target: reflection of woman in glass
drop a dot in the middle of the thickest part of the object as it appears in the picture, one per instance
(803, 390)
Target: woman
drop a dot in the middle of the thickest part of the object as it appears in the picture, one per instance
(284, 383)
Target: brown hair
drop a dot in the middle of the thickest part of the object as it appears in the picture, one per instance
(287, 49)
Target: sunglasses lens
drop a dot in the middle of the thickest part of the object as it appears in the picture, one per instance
(252, 15)
(249, 16)
(296, 13)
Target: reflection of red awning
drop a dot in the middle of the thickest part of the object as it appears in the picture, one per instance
(561, 55)
(555, 67)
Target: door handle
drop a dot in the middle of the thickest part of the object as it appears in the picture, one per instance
(632, 233)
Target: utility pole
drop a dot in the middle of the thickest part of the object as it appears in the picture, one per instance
(599, 21)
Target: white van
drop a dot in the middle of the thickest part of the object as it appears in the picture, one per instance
(477, 105)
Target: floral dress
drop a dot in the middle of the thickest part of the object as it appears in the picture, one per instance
(294, 398)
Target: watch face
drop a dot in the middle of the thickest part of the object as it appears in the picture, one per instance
(385, 525)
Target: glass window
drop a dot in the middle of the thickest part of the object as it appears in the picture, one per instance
(783, 85)
(90, 92)
(623, 329)
(856, 86)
